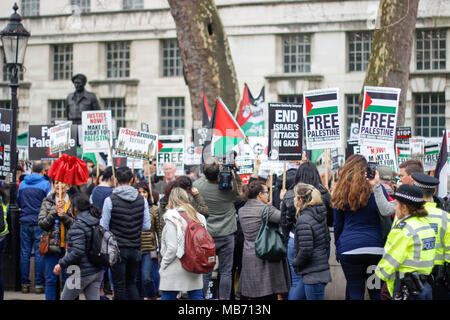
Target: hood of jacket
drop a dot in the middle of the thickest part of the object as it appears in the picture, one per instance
(88, 218)
(34, 178)
(290, 179)
(318, 212)
(127, 193)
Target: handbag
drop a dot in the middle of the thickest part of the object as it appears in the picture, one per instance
(269, 244)
(44, 243)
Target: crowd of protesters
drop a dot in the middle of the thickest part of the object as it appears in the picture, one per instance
(366, 217)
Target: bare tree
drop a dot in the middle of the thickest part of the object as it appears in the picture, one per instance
(207, 62)
(391, 49)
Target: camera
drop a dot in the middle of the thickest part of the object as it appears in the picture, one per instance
(226, 173)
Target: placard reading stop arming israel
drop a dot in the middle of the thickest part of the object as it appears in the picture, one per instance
(321, 114)
(379, 116)
(136, 144)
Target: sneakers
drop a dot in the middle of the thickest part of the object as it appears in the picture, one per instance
(39, 290)
(104, 297)
(25, 288)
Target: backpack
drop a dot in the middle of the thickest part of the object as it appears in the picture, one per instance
(104, 250)
(200, 250)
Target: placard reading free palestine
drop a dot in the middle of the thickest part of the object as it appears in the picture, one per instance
(379, 116)
(321, 113)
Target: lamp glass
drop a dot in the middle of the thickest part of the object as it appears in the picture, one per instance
(14, 48)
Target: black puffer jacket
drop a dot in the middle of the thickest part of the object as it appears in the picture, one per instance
(290, 183)
(288, 211)
(312, 241)
(79, 242)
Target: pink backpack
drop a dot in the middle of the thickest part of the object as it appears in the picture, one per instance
(200, 250)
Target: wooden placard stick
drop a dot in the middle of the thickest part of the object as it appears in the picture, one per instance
(97, 157)
(271, 186)
(284, 175)
(327, 165)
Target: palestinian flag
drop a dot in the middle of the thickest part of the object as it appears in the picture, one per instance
(206, 111)
(321, 104)
(251, 113)
(441, 170)
(382, 102)
(226, 133)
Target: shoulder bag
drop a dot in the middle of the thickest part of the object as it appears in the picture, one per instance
(269, 244)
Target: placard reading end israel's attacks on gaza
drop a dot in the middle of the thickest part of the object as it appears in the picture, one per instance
(379, 116)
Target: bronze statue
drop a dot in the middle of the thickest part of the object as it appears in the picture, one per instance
(80, 100)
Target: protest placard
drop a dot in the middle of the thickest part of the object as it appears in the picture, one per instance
(170, 149)
(60, 137)
(417, 147)
(136, 144)
(96, 127)
(5, 142)
(334, 155)
(403, 153)
(379, 116)
(354, 131)
(431, 150)
(246, 166)
(403, 134)
(384, 155)
(39, 142)
(321, 114)
(285, 131)
(192, 154)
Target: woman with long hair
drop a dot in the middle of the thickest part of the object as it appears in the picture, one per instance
(174, 278)
(357, 227)
(312, 242)
(79, 238)
(147, 276)
(275, 274)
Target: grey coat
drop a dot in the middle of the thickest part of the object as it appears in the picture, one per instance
(259, 277)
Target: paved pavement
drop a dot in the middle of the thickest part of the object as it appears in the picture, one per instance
(18, 295)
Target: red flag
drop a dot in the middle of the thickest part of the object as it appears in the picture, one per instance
(244, 109)
(206, 111)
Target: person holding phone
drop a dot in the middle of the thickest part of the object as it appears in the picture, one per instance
(357, 228)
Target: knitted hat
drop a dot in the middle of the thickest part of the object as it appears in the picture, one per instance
(409, 194)
(385, 172)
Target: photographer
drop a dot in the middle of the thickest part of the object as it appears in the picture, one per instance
(220, 198)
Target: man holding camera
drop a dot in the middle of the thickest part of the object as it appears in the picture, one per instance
(220, 187)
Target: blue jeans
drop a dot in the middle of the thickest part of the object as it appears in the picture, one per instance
(149, 276)
(29, 241)
(124, 274)
(304, 291)
(425, 294)
(224, 251)
(295, 278)
(51, 279)
(172, 295)
(2, 248)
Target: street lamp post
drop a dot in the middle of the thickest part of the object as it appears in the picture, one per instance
(14, 43)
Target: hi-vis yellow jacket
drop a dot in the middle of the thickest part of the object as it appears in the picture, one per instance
(440, 222)
(410, 247)
(5, 211)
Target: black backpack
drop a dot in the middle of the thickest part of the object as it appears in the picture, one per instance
(104, 250)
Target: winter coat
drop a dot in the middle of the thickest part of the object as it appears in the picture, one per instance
(259, 277)
(32, 192)
(79, 240)
(47, 217)
(290, 183)
(151, 240)
(173, 277)
(311, 243)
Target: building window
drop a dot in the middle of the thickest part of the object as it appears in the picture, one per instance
(297, 53)
(5, 104)
(171, 114)
(430, 49)
(429, 114)
(57, 110)
(118, 60)
(30, 8)
(291, 98)
(62, 62)
(118, 111)
(133, 4)
(352, 105)
(359, 46)
(84, 5)
(172, 63)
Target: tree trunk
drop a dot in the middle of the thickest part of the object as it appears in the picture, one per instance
(207, 62)
(391, 49)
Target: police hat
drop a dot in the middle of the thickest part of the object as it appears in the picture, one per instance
(425, 181)
(409, 194)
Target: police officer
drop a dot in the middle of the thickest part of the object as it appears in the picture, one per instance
(440, 222)
(410, 248)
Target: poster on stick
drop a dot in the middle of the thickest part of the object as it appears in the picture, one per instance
(384, 155)
(96, 127)
(403, 153)
(39, 143)
(431, 149)
(246, 166)
(379, 116)
(60, 137)
(5, 142)
(136, 144)
(403, 135)
(170, 149)
(285, 131)
(321, 114)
